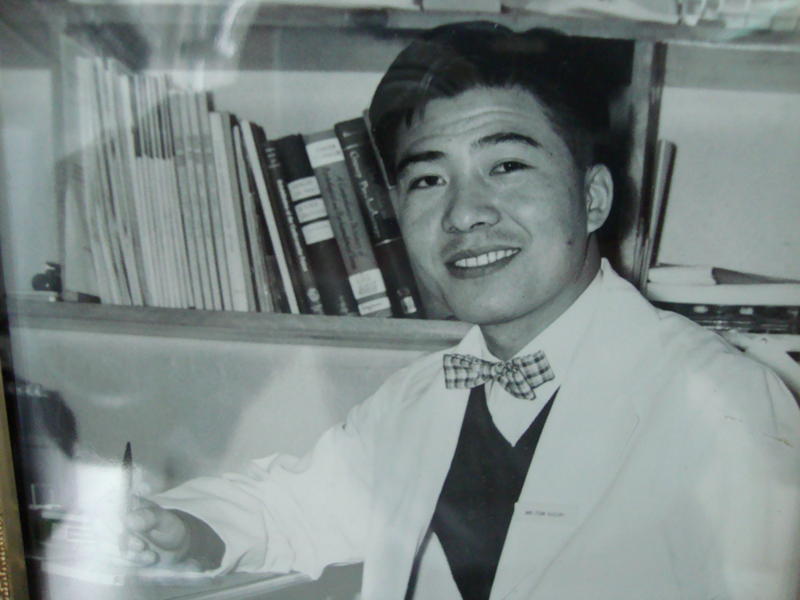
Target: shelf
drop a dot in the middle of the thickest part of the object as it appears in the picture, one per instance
(362, 332)
(291, 37)
(198, 14)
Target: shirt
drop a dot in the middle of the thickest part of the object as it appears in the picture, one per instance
(512, 416)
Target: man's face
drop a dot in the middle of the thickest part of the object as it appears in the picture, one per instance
(492, 207)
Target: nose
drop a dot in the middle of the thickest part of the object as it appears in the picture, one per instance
(470, 206)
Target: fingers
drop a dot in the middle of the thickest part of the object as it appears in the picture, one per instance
(155, 535)
(138, 552)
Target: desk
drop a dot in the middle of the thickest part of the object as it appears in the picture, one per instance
(336, 583)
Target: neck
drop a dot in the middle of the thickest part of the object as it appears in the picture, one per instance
(505, 339)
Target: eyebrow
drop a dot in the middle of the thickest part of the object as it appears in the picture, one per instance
(487, 140)
(506, 136)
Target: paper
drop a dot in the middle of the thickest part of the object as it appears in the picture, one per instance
(623, 9)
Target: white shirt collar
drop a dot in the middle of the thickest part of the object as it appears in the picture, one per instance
(559, 341)
(561, 338)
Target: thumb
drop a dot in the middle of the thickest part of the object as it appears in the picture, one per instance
(162, 527)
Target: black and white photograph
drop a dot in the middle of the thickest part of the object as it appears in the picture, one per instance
(400, 300)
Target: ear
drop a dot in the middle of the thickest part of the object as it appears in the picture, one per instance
(598, 192)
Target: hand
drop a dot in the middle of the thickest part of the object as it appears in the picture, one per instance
(157, 537)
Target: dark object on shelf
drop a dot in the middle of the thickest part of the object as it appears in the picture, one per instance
(48, 280)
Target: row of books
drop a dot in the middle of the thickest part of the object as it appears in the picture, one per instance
(190, 207)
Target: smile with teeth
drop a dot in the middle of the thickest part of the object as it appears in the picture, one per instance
(481, 260)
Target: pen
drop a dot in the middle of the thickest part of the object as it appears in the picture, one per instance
(127, 473)
(127, 469)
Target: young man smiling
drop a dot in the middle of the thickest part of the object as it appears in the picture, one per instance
(577, 443)
(498, 213)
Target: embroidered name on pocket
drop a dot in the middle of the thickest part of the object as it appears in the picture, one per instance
(546, 511)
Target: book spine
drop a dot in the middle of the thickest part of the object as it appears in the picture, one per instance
(163, 164)
(234, 237)
(260, 177)
(158, 206)
(185, 299)
(89, 189)
(305, 281)
(366, 281)
(379, 218)
(144, 191)
(104, 208)
(189, 250)
(209, 196)
(129, 230)
(191, 143)
(257, 240)
(315, 227)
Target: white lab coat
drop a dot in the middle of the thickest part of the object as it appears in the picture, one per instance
(669, 467)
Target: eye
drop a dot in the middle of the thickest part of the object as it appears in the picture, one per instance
(508, 166)
(426, 181)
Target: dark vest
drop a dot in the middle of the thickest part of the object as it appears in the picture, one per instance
(477, 500)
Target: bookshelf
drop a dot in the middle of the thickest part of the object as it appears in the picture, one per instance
(309, 41)
(290, 48)
(351, 332)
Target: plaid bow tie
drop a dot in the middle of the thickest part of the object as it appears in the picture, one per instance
(519, 376)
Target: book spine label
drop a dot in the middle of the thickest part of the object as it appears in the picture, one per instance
(327, 160)
(317, 232)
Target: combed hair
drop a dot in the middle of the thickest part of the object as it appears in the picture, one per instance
(559, 71)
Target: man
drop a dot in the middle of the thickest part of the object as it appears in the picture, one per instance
(577, 443)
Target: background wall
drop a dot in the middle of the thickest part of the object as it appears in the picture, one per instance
(28, 216)
(735, 195)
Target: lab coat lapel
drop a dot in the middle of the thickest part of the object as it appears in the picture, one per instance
(584, 440)
(413, 497)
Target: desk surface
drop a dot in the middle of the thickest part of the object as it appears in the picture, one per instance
(239, 586)
(338, 583)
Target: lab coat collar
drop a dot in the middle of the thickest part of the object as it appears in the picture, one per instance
(587, 435)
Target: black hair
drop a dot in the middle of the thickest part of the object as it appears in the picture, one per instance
(559, 71)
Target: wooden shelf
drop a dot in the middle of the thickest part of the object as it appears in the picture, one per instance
(362, 332)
